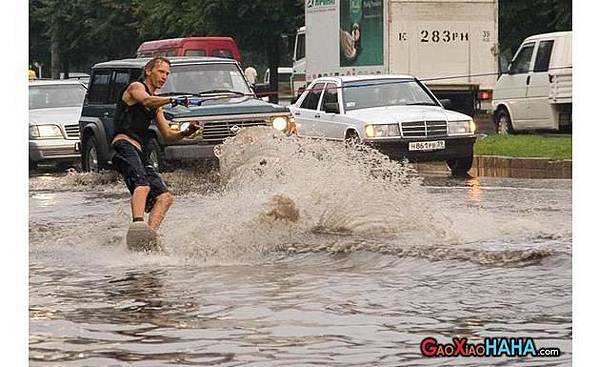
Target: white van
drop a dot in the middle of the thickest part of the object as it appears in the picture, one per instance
(536, 92)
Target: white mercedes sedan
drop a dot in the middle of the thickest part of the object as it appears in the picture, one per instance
(396, 114)
(54, 110)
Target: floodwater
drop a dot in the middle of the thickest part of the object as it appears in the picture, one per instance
(299, 253)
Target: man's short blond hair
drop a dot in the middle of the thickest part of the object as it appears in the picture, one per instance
(154, 62)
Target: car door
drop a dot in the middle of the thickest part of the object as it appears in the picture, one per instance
(512, 87)
(330, 122)
(306, 115)
(539, 112)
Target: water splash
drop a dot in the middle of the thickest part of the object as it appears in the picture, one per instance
(278, 190)
(277, 194)
(194, 179)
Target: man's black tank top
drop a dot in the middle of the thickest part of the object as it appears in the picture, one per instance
(133, 120)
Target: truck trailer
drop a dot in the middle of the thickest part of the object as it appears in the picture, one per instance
(451, 45)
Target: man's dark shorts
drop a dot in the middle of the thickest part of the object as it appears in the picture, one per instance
(129, 161)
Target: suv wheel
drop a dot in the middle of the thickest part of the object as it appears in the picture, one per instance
(89, 155)
(155, 156)
(460, 166)
(503, 123)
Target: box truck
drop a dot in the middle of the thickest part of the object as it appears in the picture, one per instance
(451, 45)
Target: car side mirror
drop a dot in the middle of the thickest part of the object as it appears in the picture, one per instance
(504, 61)
(503, 67)
(332, 107)
(446, 103)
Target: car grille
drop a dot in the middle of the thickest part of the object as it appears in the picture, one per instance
(215, 132)
(420, 129)
(72, 131)
(55, 152)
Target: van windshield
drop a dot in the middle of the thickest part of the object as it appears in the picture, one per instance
(200, 77)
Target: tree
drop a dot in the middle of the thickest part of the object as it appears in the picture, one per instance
(80, 32)
(38, 39)
(114, 33)
(257, 24)
(59, 24)
(520, 19)
(156, 19)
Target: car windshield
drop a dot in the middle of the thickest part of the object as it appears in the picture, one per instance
(385, 92)
(207, 77)
(54, 96)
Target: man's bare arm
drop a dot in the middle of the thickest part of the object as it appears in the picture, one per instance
(136, 93)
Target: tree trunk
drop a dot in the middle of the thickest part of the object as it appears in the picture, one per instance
(273, 56)
(65, 68)
(54, 56)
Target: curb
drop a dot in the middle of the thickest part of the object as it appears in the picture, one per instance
(500, 166)
(509, 167)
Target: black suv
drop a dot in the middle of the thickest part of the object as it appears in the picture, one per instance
(219, 96)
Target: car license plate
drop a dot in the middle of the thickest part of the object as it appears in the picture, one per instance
(427, 145)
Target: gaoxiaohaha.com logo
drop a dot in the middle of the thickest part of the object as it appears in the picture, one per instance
(491, 347)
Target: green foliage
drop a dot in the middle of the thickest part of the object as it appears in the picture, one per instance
(254, 22)
(559, 147)
(157, 19)
(520, 19)
(89, 31)
(113, 33)
(256, 25)
(39, 41)
(85, 31)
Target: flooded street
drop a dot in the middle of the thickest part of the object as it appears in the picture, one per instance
(379, 258)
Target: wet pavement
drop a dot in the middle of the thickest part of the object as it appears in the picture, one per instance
(380, 257)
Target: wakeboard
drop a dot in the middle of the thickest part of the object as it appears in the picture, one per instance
(140, 237)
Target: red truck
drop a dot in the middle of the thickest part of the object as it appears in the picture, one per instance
(191, 46)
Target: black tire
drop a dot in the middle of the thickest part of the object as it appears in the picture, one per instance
(90, 157)
(504, 123)
(155, 155)
(460, 166)
(352, 138)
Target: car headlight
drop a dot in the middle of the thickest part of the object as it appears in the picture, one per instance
(34, 133)
(280, 123)
(461, 127)
(44, 132)
(379, 131)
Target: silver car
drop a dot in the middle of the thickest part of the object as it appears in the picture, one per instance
(54, 110)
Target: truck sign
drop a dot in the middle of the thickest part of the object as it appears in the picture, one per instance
(361, 32)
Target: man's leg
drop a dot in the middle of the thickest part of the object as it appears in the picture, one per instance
(159, 210)
(128, 163)
(138, 201)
